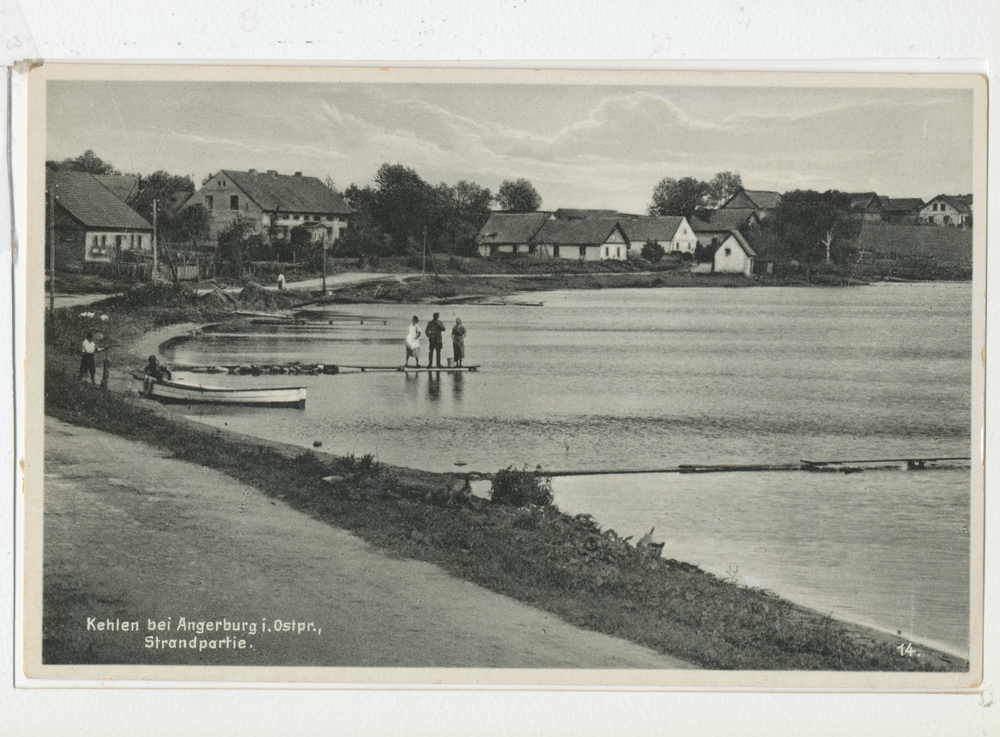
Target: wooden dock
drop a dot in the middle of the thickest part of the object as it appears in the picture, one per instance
(451, 369)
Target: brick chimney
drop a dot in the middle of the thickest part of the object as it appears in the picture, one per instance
(298, 174)
(272, 172)
(253, 172)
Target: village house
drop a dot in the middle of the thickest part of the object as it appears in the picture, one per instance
(866, 206)
(734, 256)
(599, 239)
(760, 201)
(509, 233)
(91, 224)
(901, 210)
(672, 232)
(275, 203)
(947, 210)
(715, 226)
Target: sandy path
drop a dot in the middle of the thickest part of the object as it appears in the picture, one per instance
(131, 533)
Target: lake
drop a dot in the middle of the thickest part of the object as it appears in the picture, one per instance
(622, 379)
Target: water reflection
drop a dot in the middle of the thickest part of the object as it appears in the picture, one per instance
(434, 386)
(457, 385)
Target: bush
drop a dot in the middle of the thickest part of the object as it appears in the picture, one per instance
(521, 488)
(652, 251)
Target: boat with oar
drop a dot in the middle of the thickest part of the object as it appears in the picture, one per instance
(180, 392)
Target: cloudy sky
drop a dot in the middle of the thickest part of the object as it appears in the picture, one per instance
(580, 145)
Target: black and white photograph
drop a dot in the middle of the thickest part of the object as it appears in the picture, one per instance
(388, 376)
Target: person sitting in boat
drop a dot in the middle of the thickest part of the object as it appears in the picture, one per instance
(154, 372)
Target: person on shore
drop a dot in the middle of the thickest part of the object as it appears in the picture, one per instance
(281, 282)
(88, 351)
(435, 331)
(458, 341)
(413, 342)
(154, 372)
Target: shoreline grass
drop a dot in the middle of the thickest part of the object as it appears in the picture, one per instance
(569, 566)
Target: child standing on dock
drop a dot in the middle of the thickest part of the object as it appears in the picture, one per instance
(458, 341)
(413, 342)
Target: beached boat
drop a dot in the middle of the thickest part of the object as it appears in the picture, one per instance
(265, 396)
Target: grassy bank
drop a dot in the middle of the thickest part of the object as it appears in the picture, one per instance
(566, 565)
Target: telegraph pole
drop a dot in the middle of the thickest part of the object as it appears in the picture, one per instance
(324, 264)
(423, 268)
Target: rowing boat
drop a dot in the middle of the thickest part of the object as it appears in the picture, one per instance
(269, 396)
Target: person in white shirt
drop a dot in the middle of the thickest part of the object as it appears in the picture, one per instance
(87, 365)
(413, 342)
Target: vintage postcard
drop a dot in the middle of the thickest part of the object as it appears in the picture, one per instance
(473, 378)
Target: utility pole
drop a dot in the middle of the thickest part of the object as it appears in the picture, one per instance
(423, 268)
(153, 275)
(52, 244)
(324, 264)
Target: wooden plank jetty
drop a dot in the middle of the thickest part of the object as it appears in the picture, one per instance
(453, 369)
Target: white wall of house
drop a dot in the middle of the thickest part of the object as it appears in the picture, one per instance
(101, 245)
(937, 212)
(730, 258)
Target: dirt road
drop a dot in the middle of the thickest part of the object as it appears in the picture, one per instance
(132, 535)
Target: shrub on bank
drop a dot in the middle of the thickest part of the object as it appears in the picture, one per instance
(515, 488)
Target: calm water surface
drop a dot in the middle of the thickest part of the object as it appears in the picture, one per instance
(619, 379)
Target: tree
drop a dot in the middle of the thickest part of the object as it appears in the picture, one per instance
(331, 184)
(679, 197)
(169, 191)
(89, 162)
(652, 251)
(402, 203)
(722, 187)
(460, 212)
(690, 196)
(518, 196)
(807, 221)
(189, 225)
(238, 244)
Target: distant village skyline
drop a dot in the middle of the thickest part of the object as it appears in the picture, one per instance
(581, 146)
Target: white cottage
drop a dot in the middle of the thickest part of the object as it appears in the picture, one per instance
(947, 210)
(734, 256)
(600, 239)
(672, 232)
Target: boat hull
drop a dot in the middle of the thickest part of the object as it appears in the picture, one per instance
(174, 392)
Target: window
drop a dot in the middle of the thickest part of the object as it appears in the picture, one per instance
(118, 241)
(234, 202)
(104, 241)
(607, 252)
(140, 242)
(555, 251)
(329, 218)
(208, 201)
(131, 241)
(295, 217)
(618, 252)
(729, 251)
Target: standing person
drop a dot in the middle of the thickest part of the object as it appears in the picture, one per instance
(87, 352)
(458, 341)
(281, 282)
(435, 329)
(154, 372)
(413, 342)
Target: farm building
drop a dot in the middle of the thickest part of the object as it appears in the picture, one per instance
(672, 232)
(901, 209)
(600, 239)
(509, 232)
(734, 255)
(717, 225)
(91, 224)
(275, 202)
(760, 201)
(947, 210)
(866, 206)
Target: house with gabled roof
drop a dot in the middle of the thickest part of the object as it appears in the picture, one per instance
(510, 233)
(275, 202)
(596, 239)
(91, 224)
(901, 209)
(865, 205)
(760, 201)
(734, 255)
(123, 186)
(712, 227)
(947, 210)
(672, 232)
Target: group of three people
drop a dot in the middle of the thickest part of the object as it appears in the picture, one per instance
(435, 331)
